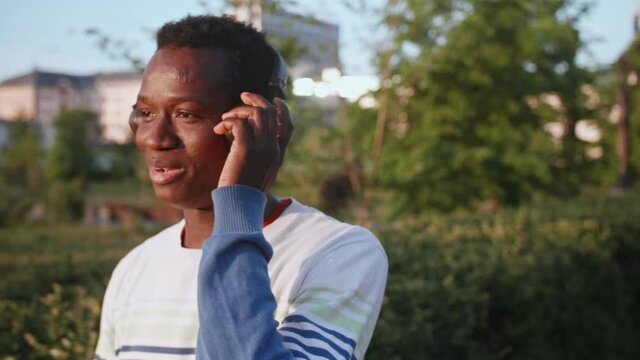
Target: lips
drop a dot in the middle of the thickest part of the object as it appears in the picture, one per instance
(165, 175)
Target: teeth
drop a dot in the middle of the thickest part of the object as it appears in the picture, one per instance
(164, 170)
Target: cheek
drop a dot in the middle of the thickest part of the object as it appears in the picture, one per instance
(211, 155)
(138, 141)
(139, 138)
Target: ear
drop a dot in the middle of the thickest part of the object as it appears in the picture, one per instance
(133, 123)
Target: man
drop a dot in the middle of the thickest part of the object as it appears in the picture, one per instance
(275, 279)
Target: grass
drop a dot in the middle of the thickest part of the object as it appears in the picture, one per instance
(34, 257)
(129, 192)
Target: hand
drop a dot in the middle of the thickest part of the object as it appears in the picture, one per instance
(260, 133)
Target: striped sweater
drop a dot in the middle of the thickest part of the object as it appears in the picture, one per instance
(304, 286)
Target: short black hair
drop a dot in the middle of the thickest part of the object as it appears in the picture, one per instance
(252, 57)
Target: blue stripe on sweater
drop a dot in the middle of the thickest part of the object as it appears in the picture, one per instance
(299, 354)
(309, 349)
(157, 350)
(302, 319)
(310, 334)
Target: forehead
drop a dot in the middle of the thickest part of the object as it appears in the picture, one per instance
(188, 69)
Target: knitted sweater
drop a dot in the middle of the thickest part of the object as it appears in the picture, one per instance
(305, 286)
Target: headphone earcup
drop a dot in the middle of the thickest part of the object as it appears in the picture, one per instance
(278, 80)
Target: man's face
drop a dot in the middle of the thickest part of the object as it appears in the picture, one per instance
(184, 92)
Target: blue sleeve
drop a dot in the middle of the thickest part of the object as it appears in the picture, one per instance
(235, 301)
(333, 312)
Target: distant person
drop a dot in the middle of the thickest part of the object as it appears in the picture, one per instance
(245, 275)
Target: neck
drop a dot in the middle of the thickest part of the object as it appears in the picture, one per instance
(198, 224)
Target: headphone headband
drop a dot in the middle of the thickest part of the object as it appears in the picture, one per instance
(278, 81)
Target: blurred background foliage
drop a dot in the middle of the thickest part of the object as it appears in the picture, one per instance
(504, 239)
(550, 280)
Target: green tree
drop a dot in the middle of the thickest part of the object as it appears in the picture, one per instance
(605, 171)
(70, 162)
(22, 158)
(463, 80)
(628, 72)
(21, 172)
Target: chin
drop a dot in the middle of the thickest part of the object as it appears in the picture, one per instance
(183, 200)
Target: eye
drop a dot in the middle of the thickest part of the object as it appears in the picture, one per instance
(181, 114)
(142, 114)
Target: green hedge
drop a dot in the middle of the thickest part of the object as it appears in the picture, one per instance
(544, 282)
(51, 283)
(60, 325)
(557, 281)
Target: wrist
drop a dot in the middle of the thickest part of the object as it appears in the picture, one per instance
(238, 208)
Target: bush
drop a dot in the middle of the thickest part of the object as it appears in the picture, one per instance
(540, 282)
(51, 285)
(59, 325)
(34, 257)
(552, 282)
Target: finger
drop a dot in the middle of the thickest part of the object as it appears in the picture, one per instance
(285, 116)
(239, 129)
(265, 119)
(257, 100)
(241, 112)
(271, 122)
(255, 115)
(253, 99)
(285, 128)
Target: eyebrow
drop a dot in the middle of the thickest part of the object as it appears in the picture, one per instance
(174, 99)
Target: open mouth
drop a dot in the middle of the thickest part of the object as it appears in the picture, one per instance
(162, 175)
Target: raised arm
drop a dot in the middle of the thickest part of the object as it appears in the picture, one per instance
(333, 313)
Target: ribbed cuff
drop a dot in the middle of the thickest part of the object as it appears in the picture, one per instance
(238, 209)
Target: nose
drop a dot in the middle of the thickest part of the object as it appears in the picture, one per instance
(158, 134)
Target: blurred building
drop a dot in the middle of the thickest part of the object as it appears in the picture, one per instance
(40, 96)
(320, 40)
(117, 93)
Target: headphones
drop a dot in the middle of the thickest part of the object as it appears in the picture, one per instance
(277, 86)
(278, 81)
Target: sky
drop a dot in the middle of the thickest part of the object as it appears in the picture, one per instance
(50, 34)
